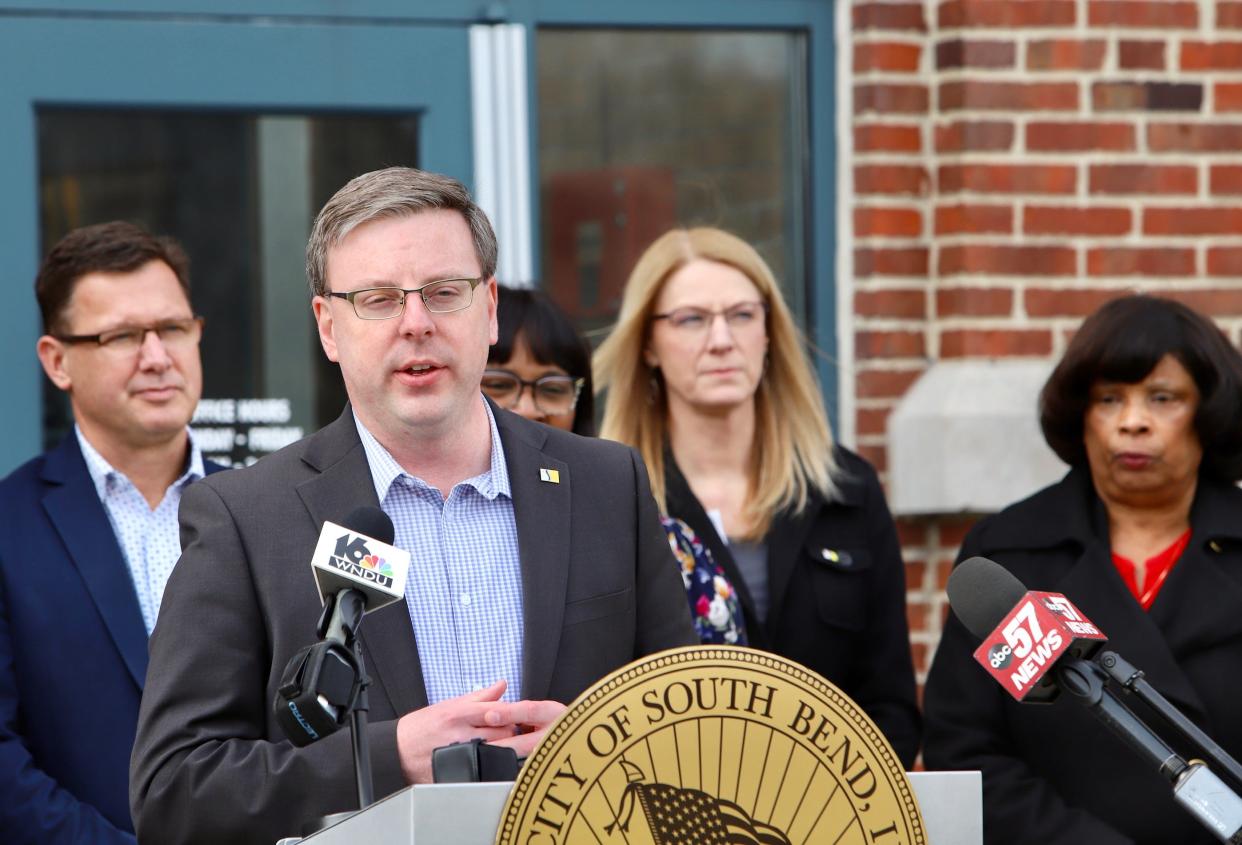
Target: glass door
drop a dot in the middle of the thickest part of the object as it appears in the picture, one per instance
(227, 132)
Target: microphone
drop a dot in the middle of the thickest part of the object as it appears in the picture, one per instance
(356, 570)
(1023, 633)
(1044, 631)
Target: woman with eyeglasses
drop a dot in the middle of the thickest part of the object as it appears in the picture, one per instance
(538, 368)
(708, 379)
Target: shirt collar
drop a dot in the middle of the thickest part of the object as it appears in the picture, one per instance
(385, 469)
(102, 472)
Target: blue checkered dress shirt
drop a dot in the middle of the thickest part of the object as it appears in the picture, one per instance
(149, 539)
(464, 592)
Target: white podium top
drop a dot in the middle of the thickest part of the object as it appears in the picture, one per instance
(469, 813)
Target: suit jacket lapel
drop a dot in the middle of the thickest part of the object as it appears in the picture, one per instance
(343, 484)
(541, 511)
(74, 509)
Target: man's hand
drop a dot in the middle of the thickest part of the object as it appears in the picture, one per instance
(518, 725)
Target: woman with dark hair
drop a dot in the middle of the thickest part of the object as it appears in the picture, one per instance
(1144, 535)
(539, 366)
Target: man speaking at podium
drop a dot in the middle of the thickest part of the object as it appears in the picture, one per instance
(538, 561)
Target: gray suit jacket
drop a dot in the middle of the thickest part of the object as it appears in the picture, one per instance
(210, 763)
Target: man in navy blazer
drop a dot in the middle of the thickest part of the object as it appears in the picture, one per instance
(88, 531)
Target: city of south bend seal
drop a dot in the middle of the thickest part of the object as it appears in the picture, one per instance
(712, 744)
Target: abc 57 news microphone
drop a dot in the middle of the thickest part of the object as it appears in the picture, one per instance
(1021, 652)
(1036, 645)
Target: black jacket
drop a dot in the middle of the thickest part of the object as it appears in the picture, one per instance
(1052, 773)
(845, 619)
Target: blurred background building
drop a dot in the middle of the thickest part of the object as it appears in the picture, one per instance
(944, 189)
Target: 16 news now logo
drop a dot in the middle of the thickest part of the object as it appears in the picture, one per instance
(353, 557)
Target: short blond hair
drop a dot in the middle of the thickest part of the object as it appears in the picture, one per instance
(793, 452)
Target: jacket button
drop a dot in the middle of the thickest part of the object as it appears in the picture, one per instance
(1214, 546)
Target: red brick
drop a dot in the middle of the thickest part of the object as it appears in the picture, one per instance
(1226, 179)
(974, 302)
(1008, 260)
(1060, 220)
(1140, 261)
(920, 656)
(986, 54)
(916, 616)
(1147, 96)
(974, 219)
(966, 13)
(963, 94)
(881, 384)
(872, 420)
(995, 343)
(1227, 96)
(944, 567)
(974, 136)
(895, 16)
(1045, 136)
(1212, 302)
(874, 222)
(909, 261)
(916, 571)
(953, 533)
(890, 179)
(1008, 178)
(1141, 55)
(883, 137)
(896, 304)
(874, 454)
(886, 98)
(1065, 54)
(887, 56)
(889, 344)
(1211, 55)
(1194, 137)
(1143, 179)
(1224, 261)
(911, 532)
(1075, 302)
(1155, 15)
(1228, 15)
(1192, 221)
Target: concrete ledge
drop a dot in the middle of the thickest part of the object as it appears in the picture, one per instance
(966, 438)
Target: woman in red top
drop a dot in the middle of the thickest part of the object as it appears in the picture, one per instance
(1145, 535)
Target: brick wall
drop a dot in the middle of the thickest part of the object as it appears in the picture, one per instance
(1015, 165)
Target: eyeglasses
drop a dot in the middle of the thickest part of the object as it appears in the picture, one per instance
(126, 340)
(694, 320)
(551, 394)
(441, 297)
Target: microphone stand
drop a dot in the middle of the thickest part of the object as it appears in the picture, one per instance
(1133, 681)
(1196, 787)
(348, 606)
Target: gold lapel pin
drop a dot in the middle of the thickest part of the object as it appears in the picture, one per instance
(552, 476)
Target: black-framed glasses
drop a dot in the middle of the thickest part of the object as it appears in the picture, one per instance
(694, 320)
(551, 394)
(441, 297)
(174, 334)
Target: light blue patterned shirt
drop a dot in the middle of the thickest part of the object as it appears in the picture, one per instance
(149, 539)
(464, 592)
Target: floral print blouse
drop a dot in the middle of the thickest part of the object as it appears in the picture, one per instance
(714, 605)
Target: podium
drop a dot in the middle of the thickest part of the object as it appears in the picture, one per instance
(469, 813)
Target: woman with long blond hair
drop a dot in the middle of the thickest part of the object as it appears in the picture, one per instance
(707, 377)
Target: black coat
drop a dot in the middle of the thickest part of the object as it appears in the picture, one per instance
(846, 619)
(1052, 773)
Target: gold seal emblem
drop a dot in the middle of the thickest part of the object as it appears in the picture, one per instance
(713, 744)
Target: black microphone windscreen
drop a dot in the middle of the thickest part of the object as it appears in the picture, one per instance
(371, 521)
(981, 592)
